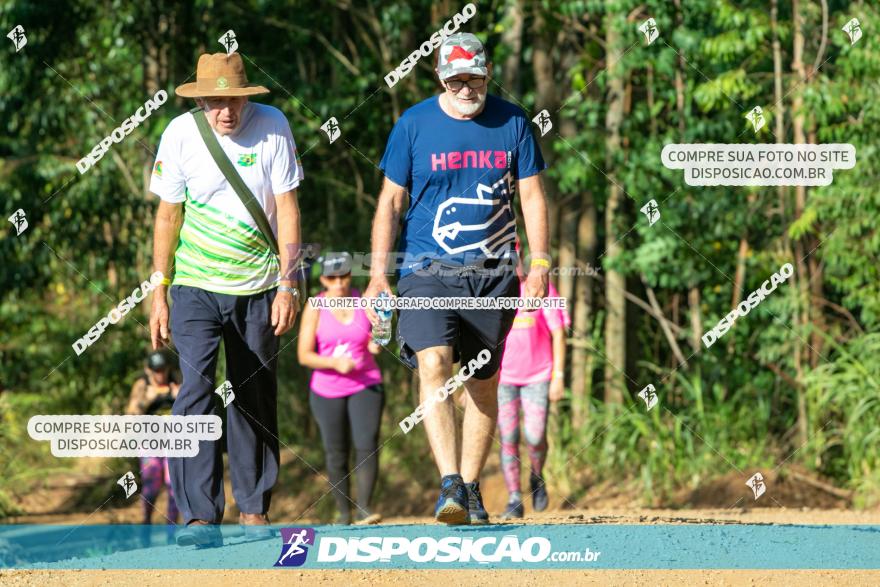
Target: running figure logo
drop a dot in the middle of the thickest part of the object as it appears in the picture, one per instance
(756, 482)
(854, 30)
(650, 30)
(543, 121)
(649, 394)
(489, 215)
(18, 38)
(331, 127)
(756, 117)
(19, 221)
(652, 211)
(225, 392)
(128, 484)
(294, 549)
(229, 42)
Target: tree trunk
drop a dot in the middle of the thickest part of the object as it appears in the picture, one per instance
(801, 275)
(581, 358)
(815, 267)
(739, 277)
(545, 98)
(615, 283)
(696, 316)
(693, 291)
(512, 39)
(155, 68)
(779, 115)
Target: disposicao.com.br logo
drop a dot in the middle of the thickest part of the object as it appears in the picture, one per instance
(399, 551)
(487, 549)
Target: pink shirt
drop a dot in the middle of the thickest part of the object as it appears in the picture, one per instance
(528, 354)
(334, 339)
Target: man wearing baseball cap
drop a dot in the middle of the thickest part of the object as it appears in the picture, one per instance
(457, 160)
(226, 284)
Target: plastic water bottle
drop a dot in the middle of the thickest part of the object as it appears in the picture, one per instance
(382, 329)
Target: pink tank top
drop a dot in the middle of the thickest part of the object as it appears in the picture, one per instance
(528, 352)
(334, 339)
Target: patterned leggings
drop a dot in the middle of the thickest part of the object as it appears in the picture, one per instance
(533, 399)
(154, 474)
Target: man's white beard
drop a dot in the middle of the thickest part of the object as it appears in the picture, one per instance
(468, 108)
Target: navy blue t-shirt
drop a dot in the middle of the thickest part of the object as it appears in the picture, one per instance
(461, 176)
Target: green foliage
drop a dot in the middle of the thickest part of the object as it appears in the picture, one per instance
(670, 448)
(27, 462)
(843, 413)
(88, 65)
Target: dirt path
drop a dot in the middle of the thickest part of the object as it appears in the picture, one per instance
(74, 497)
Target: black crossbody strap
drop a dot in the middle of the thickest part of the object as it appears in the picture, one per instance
(234, 179)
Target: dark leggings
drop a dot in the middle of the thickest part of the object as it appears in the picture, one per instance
(354, 418)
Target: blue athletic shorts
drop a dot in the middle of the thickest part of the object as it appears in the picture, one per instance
(467, 331)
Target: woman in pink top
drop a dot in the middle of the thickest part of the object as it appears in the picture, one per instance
(531, 374)
(347, 396)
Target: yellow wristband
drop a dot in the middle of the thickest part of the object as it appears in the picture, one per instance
(165, 281)
(540, 263)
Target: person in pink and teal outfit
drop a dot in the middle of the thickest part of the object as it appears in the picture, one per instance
(346, 390)
(531, 377)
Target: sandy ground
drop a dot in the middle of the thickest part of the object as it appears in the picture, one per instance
(434, 577)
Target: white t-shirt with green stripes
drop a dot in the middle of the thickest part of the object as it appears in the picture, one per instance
(221, 249)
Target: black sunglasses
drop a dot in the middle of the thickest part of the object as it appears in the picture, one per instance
(473, 83)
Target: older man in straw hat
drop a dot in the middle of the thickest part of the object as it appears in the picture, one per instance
(226, 283)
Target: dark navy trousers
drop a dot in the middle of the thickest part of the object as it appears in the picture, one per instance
(199, 321)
